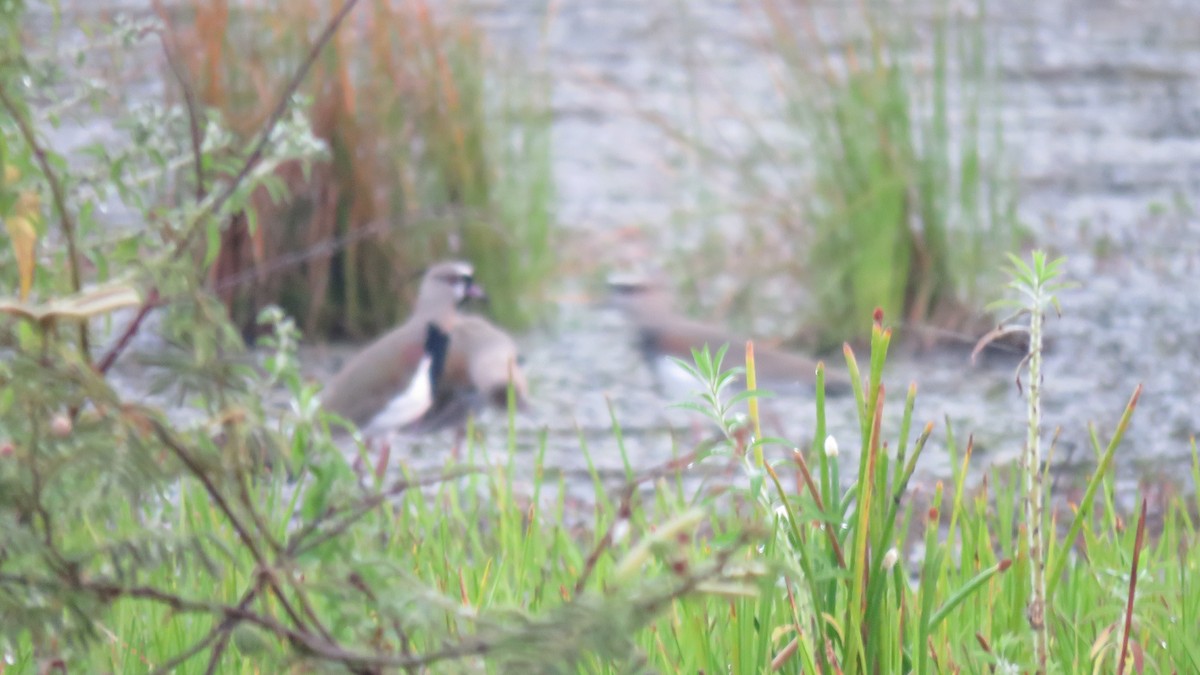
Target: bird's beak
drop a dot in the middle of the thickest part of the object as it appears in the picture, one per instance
(475, 292)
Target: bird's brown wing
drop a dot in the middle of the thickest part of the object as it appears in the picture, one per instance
(373, 376)
(676, 336)
(492, 370)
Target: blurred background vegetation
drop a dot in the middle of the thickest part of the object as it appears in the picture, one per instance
(884, 183)
(424, 164)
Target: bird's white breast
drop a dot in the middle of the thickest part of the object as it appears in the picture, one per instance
(407, 406)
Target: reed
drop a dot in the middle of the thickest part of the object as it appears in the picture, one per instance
(438, 147)
(904, 200)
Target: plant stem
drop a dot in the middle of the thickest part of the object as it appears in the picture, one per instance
(60, 204)
(752, 403)
(1033, 481)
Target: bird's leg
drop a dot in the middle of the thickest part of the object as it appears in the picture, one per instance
(741, 439)
(356, 465)
(774, 421)
(385, 454)
(460, 435)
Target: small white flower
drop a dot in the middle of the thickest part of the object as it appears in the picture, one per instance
(620, 531)
(1005, 667)
(831, 446)
(890, 558)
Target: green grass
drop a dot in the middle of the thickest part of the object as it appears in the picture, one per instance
(545, 586)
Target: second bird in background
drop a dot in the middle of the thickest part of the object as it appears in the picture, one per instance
(663, 333)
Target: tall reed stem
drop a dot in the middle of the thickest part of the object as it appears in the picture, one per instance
(1037, 283)
(1034, 490)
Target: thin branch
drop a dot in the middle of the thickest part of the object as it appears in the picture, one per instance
(60, 205)
(36, 485)
(626, 510)
(300, 639)
(322, 248)
(168, 439)
(264, 530)
(214, 204)
(606, 541)
(997, 333)
(223, 630)
(177, 448)
(299, 542)
(220, 633)
(152, 301)
(179, 659)
(171, 49)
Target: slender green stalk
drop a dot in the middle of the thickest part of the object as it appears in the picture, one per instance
(752, 403)
(1037, 286)
(1035, 491)
(1089, 495)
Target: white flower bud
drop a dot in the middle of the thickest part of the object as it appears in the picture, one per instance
(831, 446)
(60, 426)
(890, 558)
(620, 531)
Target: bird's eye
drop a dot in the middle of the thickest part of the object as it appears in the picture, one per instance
(464, 287)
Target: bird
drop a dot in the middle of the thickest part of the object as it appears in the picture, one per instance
(663, 332)
(418, 399)
(367, 384)
(482, 362)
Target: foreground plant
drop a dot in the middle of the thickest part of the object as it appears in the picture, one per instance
(853, 606)
(1037, 284)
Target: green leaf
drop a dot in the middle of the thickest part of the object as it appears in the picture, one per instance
(213, 242)
(965, 592)
(316, 497)
(748, 394)
(128, 248)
